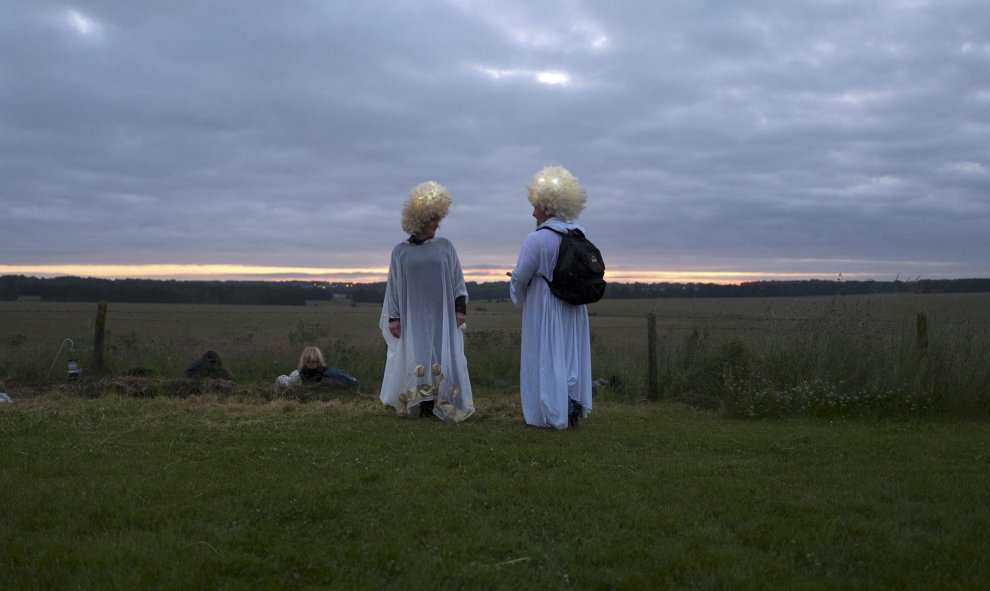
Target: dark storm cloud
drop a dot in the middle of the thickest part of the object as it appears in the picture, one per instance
(816, 137)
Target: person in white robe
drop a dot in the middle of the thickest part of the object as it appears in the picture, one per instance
(423, 316)
(555, 364)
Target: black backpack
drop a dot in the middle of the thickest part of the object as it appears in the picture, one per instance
(579, 275)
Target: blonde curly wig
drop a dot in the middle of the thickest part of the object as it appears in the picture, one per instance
(426, 201)
(556, 191)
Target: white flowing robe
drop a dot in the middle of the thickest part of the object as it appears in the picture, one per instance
(555, 362)
(427, 361)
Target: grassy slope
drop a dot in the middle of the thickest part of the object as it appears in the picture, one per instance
(207, 493)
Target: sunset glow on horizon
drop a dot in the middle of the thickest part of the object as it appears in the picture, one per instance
(216, 272)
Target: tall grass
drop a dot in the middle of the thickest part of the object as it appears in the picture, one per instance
(745, 358)
(835, 364)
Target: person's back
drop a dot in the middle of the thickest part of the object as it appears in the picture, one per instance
(555, 365)
(208, 366)
(425, 305)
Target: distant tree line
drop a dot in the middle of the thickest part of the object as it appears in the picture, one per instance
(297, 293)
(88, 289)
(811, 287)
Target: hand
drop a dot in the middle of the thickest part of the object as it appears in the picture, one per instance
(461, 318)
(395, 327)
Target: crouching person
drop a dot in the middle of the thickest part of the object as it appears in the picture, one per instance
(208, 366)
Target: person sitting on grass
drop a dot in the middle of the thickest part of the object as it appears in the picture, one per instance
(208, 366)
(313, 369)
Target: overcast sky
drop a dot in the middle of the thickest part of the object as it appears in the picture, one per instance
(759, 138)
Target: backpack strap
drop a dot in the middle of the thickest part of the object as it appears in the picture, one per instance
(572, 231)
(555, 231)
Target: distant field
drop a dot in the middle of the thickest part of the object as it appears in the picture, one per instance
(776, 345)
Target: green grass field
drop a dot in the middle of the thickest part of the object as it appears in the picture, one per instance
(208, 493)
(804, 443)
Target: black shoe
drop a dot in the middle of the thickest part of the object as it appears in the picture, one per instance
(426, 408)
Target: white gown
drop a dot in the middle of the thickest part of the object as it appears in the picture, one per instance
(555, 359)
(427, 362)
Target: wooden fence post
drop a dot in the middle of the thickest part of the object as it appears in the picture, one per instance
(101, 323)
(921, 332)
(652, 389)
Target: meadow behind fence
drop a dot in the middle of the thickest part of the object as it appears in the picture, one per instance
(893, 354)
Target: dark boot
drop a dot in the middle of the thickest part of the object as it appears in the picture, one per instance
(573, 413)
(426, 408)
